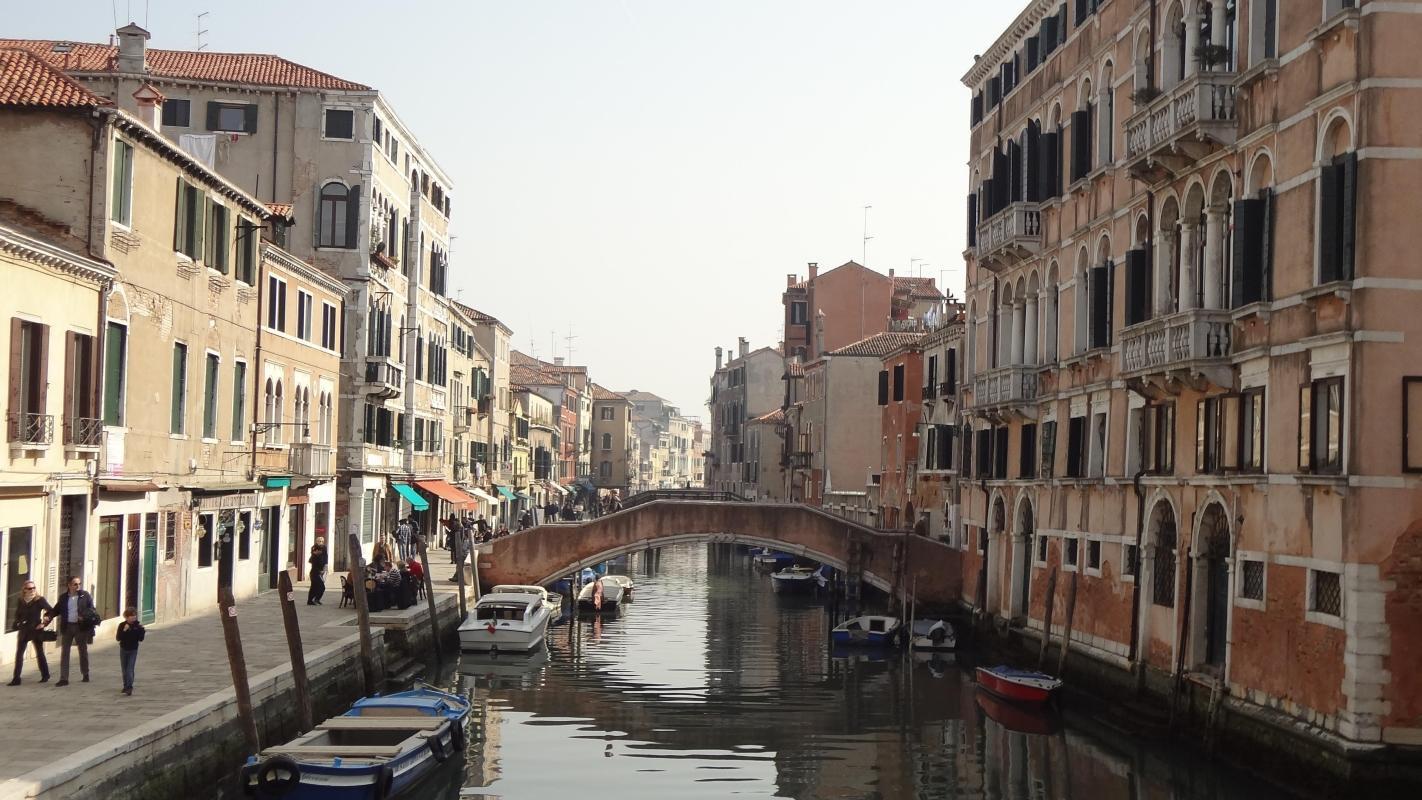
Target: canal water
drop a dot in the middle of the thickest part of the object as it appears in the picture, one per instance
(709, 685)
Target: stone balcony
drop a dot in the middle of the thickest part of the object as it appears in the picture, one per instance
(1185, 348)
(383, 377)
(1009, 236)
(1004, 392)
(314, 460)
(1181, 126)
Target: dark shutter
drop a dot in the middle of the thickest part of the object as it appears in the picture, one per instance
(950, 373)
(967, 467)
(1080, 144)
(17, 367)
(1027, 460)
(1083, 8)
(179, 216)
(1110, 301)
(1048, 168)
(999, 452)
(1266, 281)
(1247, 266)
(1076, 437)
(1014, 172)
(1033, 53)
(352, 215)
(883, 387)
(1048, 36)
(1034, 163)
(1099, 302)
(984, 467)
(73, 372)
(1349, 199)
(1138, 286)
(214, 114)
(972, 220)
(1330, 213)
(249, 118)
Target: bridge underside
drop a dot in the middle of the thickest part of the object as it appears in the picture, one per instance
(927, 568)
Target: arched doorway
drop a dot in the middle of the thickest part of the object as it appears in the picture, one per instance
(992, 555)
(1212, 601)
(1022, 560)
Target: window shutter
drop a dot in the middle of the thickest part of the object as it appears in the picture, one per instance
(883, 387)
(972, 220)
(1138, 286)
(179, 217)
(249, 118)
(1033, 52)
(197, 216)
(73, 375)
(1076, 437)
(17, 356)
(1330, 179)
(999, 446)
(1305, 428)
(42, 391)
(1026, 468)
(1096, 292)
(214, 114)
(1247, 268)
(1266, 258)
(1110, 301)
(353, 215)
(1014, 175)
(1047, 166)
(1034, 163)
(1348, 240)
(950, 374)
(1080, 144)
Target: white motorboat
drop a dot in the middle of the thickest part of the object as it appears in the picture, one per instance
(933, 634)
(600, 596)
(870, 630)
(623, 581)
(508, 621)
(795, 580)
(554, 602)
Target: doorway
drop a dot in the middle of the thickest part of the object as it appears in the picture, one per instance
(18, 543)
(132, 547)
(1025, 535)
(296, 540)
(148, 610)
(73, 519)
(108, 582)
(271, 546)
(1212, 567)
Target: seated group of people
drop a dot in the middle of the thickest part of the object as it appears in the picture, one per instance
(391, 583)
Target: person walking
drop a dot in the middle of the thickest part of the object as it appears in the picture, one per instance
(130, 633)
(318, 561)
(403, 531)
(30, 619)
(77, 620)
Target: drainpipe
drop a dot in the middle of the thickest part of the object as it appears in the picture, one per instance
(256, 366)
(276, 147)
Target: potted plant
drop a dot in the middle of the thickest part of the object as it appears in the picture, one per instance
(1210, 55)
(1144, 95)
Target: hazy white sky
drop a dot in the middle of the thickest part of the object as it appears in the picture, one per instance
(645, 172)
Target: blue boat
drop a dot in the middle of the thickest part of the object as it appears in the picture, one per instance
(870, 630)
(378, 750)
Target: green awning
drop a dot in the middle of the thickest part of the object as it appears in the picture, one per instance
(276, 481)
(408, 492)
(507, 493)
(524, 497)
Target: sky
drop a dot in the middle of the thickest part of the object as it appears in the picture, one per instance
(642, 174)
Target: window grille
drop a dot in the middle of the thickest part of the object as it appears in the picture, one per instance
(1327, 593)
(1251, 584)
(1164, 578)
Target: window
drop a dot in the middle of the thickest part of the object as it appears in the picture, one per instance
(242, 521)
(984, 446)
(239, 400)
(115, 370)
(1100, 291)
(232, 117)
(1041, 549)
(247, 239)
(1049, 449)
(337, 216)
(1251, 579)
(1337, 215)
(188, 220)
(898, 382)
(1097, 456)
(209, 398)
(217, 226)
(1321, 426)
(799, 312)
(1072, 544)
(1130, 561)
(883, 387)
(170, 535)
(1027, 452)
(180, 389)
(1207, 436)
(1163, 590)
(1325, 592)
(177, 113)
(605, 413)
(605, 469)
(1252, 242)
(303, 315)
(328, 327)
(1251, 430)
(340, 123)
(1093, 555)
(29, 382)
(999, 448)
(204, 539)
(276, 303)
(121, 204)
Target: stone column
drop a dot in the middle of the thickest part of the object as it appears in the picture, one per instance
(1164, 253)
(1192, 40)
(1029, 349)
(1189, 234)
(1217, 23)
(1004, 336)
(1017, 331)
(1214, 254)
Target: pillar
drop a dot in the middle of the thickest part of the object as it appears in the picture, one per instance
(1192, 40)
(1214, 254)
(1189, 233)
(1217, 23)
(1164, 253)
(1029, 348)
(1018, 310)
(1004, 336)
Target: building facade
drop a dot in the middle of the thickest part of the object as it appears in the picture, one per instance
(901, 408)
(936, 489)
(615, 448)
(745, 387)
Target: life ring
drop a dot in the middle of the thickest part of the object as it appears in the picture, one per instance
(384, 782)
(278, 775)
(438, 750)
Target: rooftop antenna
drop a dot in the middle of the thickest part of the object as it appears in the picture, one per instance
(913, 266)
(201, 31)
(569, 339)
(864, 250)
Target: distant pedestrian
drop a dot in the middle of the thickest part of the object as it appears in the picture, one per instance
(130, 633)
(77, 620)
(481, 526)
(525, 520)
(403, 532)
(318, 561)
(30, 619)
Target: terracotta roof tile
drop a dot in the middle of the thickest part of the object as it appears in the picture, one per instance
(880, 344)
(26, 80)
(241, 68)
(770, 418)
(601, 393)
(794, 369)
(917, 287)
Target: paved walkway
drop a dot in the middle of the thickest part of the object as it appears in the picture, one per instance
(180, 662)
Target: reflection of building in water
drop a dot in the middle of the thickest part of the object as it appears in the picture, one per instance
(486, 721)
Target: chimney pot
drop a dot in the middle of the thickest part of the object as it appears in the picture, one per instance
(557, 361)
(814, 269)
(891, 272)
(132, 49)
(743, 347)
(718, 358)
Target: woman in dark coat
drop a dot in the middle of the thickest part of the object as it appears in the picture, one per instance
(31, 613)
(318, 562)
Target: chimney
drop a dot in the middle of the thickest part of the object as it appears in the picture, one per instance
(819, 333)
(150, 106)
(718, 358)
(891, 273)
(743, 347)
(814, 270)
(789, 280)
(132, 47)
(557, 361)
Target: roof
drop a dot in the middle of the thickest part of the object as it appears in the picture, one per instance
(280, 209)
(479, 316)
(531, 376)
(772, 418)
(526, 360)
(878, 345)
(917, 287)
(638, 395)
(794, 369)
(600, 392)
(238, 68)
(28, 81)
(986, 64)
(805, 283)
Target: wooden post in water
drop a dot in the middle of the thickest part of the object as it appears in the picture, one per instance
(298, 658)
(237, 662)
(367, 651)
(1047, 626)
(429, 596)
(1070, 613)
(473, 555)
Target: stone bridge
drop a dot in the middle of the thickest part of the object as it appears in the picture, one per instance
(891, 562)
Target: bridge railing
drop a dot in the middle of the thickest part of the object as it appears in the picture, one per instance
(681, 494)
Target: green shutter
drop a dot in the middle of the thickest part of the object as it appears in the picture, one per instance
(180, 359)
(115, 343)
(239, 400)
(197, 208)
(209, 410)
(180, 218)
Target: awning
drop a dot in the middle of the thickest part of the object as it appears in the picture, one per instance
(523, 497)
(485, 496)
(129, 486)
(447, 492)
(276, 481)
(408, 492)
(506, 493)
(555, 487)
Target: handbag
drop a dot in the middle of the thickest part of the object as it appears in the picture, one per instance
(47, 635)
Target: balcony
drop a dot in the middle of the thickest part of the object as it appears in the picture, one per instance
(1009, 236)
(1182, 126)
(800, 459)
(1005, 392)
(30, 430)
(1186, 348)
(83, 433)
(463, 416)
(313, 460)
(946, 389)
(928, 392)
(383, 377)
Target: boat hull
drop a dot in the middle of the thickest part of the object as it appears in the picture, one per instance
(793, 584)
(1015, 689)
(321, 780)
(863, 638)
(479, 640)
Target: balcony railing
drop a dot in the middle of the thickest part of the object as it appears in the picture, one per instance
(315, 460)
(462, 418)
(1005, 386)
(928, 392)
(1188, 340)
(1182, 125)
(1010, 235)
(946, 389)
(83, 432)
(383, 376)
(31, 429)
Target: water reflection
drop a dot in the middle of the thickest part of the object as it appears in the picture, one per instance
(710, 685)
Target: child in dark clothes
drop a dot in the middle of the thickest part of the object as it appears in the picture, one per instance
(130, 633)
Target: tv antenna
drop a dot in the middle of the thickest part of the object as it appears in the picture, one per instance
(201, 31)
(569, 339)
(864, 250)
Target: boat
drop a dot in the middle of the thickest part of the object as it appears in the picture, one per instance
(933, 634)
(554, 602)
(507, 621)
(870, 630)
(623, 581)
(771, 560)
(1018, 685)
(610, 600)
(795, 580)
(381, 748)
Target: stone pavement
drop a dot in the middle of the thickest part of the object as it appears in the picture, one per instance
(179, 662)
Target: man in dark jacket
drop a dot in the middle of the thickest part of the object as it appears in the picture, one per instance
(318, 561)
(77, 618)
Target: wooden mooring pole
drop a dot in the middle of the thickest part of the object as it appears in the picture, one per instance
(1047, 626)
(1070, 614)
(293, 645)
(429, 597)
(473, 555)
(237, 662)
(367, 651)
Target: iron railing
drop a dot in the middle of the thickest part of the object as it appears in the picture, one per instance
(83, 431)
(26, 428)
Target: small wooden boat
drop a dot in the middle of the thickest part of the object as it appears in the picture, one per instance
(795, 580)
(870, 630)
(623, 581)
(600, 596)
(553, 602)
(512, 621)
(379, 749)
(1018, 685)
(933, 634)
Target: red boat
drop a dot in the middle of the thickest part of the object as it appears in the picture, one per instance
(1018, 685)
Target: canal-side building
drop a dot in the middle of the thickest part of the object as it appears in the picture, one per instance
(495, 338)
(936, 488)
(615, 450)
(744, 387)
(767, 472)
(900, 410)
(1188, 383)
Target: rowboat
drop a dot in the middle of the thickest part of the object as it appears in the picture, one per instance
(623, 581)
(870, 630)
(600, 596)
(506, 621)
(1018, 685)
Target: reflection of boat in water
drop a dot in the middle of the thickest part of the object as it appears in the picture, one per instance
(511, 669)
(870, 630)
(937, 661)
(600, 596)
(933, 634)
(1018, 685)
(795, 580)
(1037, 721)
(623, 581)
(515, 621)
(848, 652)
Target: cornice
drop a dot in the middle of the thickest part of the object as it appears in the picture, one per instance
(1007, 42)
(44, 254)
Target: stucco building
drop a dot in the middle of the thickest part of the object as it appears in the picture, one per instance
(615, 448)
(744, 387)
(901, 408)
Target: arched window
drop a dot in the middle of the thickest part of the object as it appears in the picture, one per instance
(1081, 310)
(1337, 198)
(1050, 320)
(303, 413)
(1172, 67)
(337, 215)
(605, 469)
(607, 441)
(1105, 148)
(324, 431)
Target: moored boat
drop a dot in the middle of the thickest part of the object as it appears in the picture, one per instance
(506, 621)
(795, 580)
(553, 602)
(869, 630)
(933, 634)
(1018, 685)
(623, 581)
(772, 560)
(600, 596)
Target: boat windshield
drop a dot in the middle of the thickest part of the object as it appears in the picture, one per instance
(500, 612)
(876, 625)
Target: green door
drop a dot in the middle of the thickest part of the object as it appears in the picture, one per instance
(150, 578)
